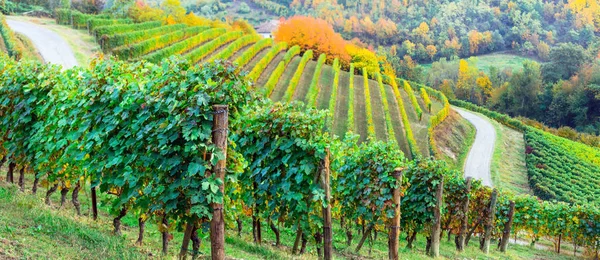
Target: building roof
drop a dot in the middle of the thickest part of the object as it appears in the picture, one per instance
(268, 26)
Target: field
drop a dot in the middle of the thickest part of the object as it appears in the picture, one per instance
(499, 60)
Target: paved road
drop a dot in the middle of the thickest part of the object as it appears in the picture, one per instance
(480, 156)
(51, 46)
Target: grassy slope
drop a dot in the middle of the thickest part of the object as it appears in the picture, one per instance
(256, 59)
(325, 85)
(84, 46)
(304, 83)
(341, 111)
(360, 114)
(454, 138)
(397, 120)
(29, 51)
(499, 60)
(240, 52)
(284, 81)
(419, 128)
(264, 77)
(508, 168)
(33, 230)
(378, 113)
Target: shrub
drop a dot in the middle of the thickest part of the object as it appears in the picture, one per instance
(386, 110)
(95, 22)
(10, 41)
(265, 60)
(289, 92)
(200, 53)
(63, 16)
(185, 45)
(152, 44)
(235, 46)
(252, 51)
(112, 41)
(276, 74)
(99, 31)
(426, 99)
(313, 91)
(413, 99)
(410, 139)
(79, 20)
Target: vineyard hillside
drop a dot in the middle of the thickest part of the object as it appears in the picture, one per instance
(284, 73)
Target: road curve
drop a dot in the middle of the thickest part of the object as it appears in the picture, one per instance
(480, 156)
(51, 46)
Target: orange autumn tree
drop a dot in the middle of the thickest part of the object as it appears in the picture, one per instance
(315, 34)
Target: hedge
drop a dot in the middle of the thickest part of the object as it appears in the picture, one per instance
(413, 99)
(289, 92)
(123, 28)
(410, 139)
(113, 41)
(334, 92)
(95, 22)
(351, 126)
(200, 53)
(79, 20)
(253, 51)
(10, 40)
(313, 91)
(185, 45)
(152, 44)
(235, 46)
(63, 16)
(265, 60)
(386, 109)
(276, 74)
(426, 99)
(368, 107)
(437, 119)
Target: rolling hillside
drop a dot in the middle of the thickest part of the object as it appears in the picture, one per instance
(284, 74)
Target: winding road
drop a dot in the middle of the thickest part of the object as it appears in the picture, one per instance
(480, 156)
(51, 46)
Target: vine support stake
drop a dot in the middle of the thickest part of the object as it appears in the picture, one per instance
(489, 224)
(395, 224)
(217, 223)
(327, 233)
(507, 227)
(462, 235)
(436, 228)
(94, 204)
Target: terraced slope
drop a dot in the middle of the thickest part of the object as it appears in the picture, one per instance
(262, 58)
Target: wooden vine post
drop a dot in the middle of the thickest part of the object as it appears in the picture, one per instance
(507, 227)
(395, 223)
(489, 224)
(462, 235)
(327, 233)
(94, 204)
(217, 223)
(436, 229)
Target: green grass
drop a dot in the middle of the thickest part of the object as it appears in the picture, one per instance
(305, 79)
(360, 113)
(341, 112)
(268, 70)
(499, 60)
(397, 120)
(454, 138)
(29, 51)
(33, 230)
(285, 79)
(325, 85)
(378, 113)
(509, 171)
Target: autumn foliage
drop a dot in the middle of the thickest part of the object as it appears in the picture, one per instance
(316, 34)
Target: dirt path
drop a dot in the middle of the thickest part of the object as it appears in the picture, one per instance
(51, 46)
(480, 156)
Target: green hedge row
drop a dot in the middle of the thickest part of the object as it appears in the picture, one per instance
(235, 46)
(386, 110)
(368, 106)
(139, 49)
(185, 45)
(95, 22)
(438, 118)
(200, 53)
(80, 20)
(413, 99)
(276, 74)
(313, 91)
(113, 29)
(63, 16)
(410, 138)
(351, 125)
(291, 89)
(426, 99)
(265, 60)
(253, 51)
(10, 40)
(334, 92)
(113, 41)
